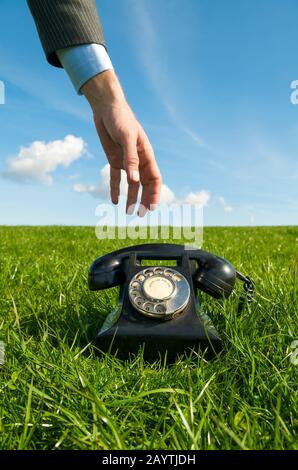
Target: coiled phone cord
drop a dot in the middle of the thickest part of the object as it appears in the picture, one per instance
(249, 291)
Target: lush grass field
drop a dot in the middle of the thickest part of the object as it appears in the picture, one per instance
(55, 393)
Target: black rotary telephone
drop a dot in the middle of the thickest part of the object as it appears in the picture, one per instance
(158, 306)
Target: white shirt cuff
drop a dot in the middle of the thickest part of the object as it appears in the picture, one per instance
(84, 62)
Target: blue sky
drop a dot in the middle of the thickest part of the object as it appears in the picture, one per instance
(208, 80)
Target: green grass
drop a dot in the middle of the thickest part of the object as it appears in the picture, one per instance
(56, 393)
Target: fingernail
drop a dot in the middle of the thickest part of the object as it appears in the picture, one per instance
(130, 209)
(135, 176)
(153, 207)
(142, 211)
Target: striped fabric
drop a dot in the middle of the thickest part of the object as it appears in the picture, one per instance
(65, 23)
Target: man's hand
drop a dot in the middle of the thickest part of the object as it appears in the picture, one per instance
(124, 142)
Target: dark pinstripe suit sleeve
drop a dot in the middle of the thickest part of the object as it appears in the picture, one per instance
(65, 23)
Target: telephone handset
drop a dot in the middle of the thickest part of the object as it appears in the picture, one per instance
(149, 295)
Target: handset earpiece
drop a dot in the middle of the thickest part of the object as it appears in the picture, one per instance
(106, 271)
(215, 276)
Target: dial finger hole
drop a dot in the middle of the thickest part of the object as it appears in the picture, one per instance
(139, 301)
(169, 273)
(148, 272)
(160, 308)
(134, 284)
(140, 277)
(177, 277)
(134, 293)
(158, 271)
(148, 306)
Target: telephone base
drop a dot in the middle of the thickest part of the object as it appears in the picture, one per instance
(160, 340)
(126, 347)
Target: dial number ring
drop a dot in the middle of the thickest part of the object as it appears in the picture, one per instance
(159, 292)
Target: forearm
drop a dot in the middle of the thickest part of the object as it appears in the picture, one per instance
(103, 90)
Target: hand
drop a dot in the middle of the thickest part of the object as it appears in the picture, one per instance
(124, 142)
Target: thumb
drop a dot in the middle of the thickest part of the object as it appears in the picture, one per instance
(131, 160)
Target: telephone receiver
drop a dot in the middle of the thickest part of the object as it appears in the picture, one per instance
(158, 306)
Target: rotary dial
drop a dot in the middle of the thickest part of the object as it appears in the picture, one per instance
(159, 292)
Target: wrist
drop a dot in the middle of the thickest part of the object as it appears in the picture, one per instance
(103, 89)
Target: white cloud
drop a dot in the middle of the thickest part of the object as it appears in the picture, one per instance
(40, 159)
(102, 189)
(86, 188)
(167, 196)
(201, 198)
(224, 204)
